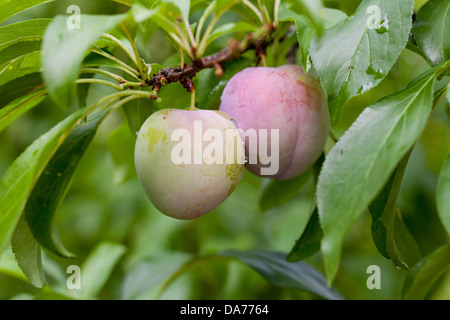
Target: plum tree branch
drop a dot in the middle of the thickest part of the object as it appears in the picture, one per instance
(234, 50)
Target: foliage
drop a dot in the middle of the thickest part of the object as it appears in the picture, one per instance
(72, 100)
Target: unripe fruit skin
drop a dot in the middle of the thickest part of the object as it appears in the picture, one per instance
(184, 191)
(284, 98)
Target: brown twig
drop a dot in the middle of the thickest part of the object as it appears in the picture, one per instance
(216, 61)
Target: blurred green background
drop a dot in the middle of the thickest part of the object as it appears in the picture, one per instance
(106, 203)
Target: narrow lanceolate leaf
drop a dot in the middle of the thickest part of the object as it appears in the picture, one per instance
(443, 194)
(389, 233)
(20, 66)
(432, 30)
(18, 107)
(63, 51)
(26, 31)
(17, 50)
(19, 88)
(18, 181)
(8, 8)
(54, 182)
(98, 267)
(274, 268)
(357, 53)
(28, 254)
(360, 164)
(423, 275)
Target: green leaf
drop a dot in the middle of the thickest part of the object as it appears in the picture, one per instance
(28, 254)
(26, 31)
(246, 13)
(274, 268)
(313, 10)
(20, 66)
(442, 194)
(19, 88)
(130, 2)
(18, 181)
(18, 107)
(305, 30)
(51, 295)
(405, 244)
(356, 54)
(83, 89)
(98, 267)
(182, 5)
(309, 242)
(137, 111)
(64, 50)
(8, 8)
(10, 267)
(121, 144)
(384, 208)
(52, 186)
(360, 164)
(431, 30)
(143, 281)
(221, 5)
(425, 273)
(18, 41)
(389, 233)
(164, 11)
(17, 50)
(275, 193)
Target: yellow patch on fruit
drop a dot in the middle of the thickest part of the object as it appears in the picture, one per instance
(233, 172)
(154, 136)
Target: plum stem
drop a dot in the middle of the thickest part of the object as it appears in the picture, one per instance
(99, 81)
(276, 11)
(102, 72)
(235, 49)
(192, 106)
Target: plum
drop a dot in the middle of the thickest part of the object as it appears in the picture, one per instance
(181, 161)
(284, 98)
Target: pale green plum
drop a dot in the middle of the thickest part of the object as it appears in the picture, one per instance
(284, 98)
(186, 190)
